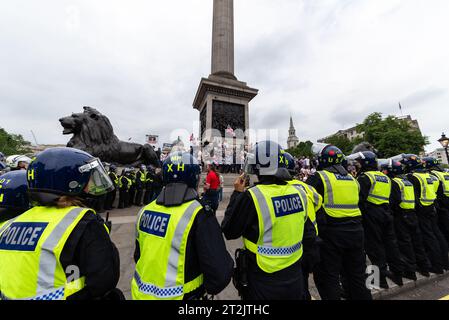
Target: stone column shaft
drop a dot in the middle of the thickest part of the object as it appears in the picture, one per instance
(223, 37)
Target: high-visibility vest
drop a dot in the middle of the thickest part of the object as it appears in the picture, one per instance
(427, 185)
(114, 178)
(443, 177)
(141, 176)
(162, 233)
(313, 197)
(407, 193)
(30, 251)
(282, 213)
(121, 182)
(341, 195)
(380, 190)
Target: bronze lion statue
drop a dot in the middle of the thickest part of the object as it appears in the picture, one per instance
(93, 133)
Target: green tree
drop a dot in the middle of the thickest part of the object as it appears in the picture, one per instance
(13, 143)
(341, 142)
(303, 149)
(392, 136)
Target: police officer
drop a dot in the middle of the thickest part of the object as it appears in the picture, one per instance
(60, 249)
(402, 203)
(157, 183)
(124, 186)
(110, 198)
(18, 162)
(340, 228)
(132, 188)
(272, 219)
(13, 195)
(140, 185)
(442, 202)
(2, 163)
(148, 185)
(180, 252)
(425, 197)
(314, 203)
(380, 239)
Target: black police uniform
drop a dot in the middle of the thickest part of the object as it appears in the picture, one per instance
(157, 185)
(148, 188)
(434, 241)
(241, 219)
(140, 185)
(90, 248)
(111, 196)
(409, 236)
(381, 244)
(124, 193)
(342, 252)
(442, 207)
(132, 190)
(205, 252)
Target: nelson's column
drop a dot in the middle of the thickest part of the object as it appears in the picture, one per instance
(221, 99)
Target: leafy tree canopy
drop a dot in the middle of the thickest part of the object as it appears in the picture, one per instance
(13, 143)
(390, 135)
(303, 149)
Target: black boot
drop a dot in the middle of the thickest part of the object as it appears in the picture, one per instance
(410, 275)
(396, 278)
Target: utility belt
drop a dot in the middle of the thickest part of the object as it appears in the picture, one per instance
(325, 219)
(240, 277)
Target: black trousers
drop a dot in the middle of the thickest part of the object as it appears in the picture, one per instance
(283, 285)
(139, 197)
(342, 252)
(110, 198)
(380, 240)
(123, 199)
(147, 196)
(443, 218)
(132, 196)
(434, 241)
(410, 241)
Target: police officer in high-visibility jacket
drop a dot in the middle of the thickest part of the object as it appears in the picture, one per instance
(340, 228)
(272, 219)
(425, 197)
(13, 195)
(124, 183)
(381, 244)
(180, 252)
(315, 201)
(110, 198)
(59, 249)
(402, 203)
(140, 185)
(442, 202)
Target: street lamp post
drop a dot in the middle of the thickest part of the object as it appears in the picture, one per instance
(444, 143)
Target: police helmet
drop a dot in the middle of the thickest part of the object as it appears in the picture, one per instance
(431, 163)
(60, 172)
(412, 163)
(328, 155)
(366, 159)
(14, 161)
(113, 168)
(181, 167)
(13, 192)
(267, 159)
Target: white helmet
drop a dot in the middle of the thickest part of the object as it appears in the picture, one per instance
(13, 161)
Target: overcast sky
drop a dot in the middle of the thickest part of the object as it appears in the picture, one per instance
(328, 63)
